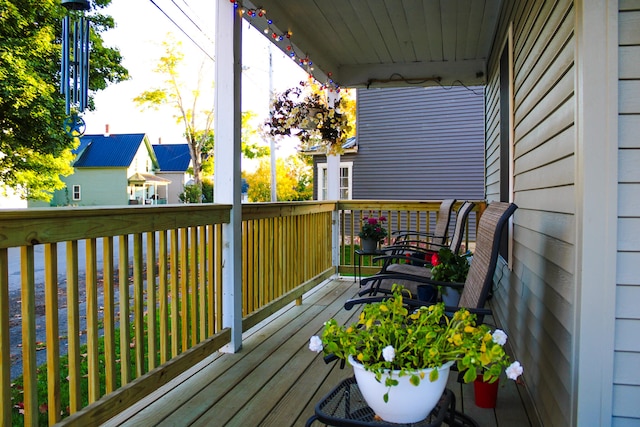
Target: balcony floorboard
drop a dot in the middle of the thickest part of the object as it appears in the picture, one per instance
(276, 381)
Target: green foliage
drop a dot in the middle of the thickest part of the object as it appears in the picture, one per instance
(191, 194)
(449, 267)
(207, 190)
(293, 181)
(389, 336)
(31, 109)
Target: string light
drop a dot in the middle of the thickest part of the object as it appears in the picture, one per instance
(279, 37)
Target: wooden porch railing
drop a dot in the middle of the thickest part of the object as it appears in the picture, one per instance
(113, 316)
(286, 250)
(165, 328)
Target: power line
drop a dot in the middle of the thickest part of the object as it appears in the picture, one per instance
(181, 29)
(204, 33)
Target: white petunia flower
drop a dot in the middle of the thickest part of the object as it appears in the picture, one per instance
(499, 337)
(315, 344)
(388, 353)
(514, 370)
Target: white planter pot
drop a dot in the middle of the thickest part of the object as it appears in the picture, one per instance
(407, 403)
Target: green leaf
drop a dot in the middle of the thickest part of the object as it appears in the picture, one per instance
(470, 375)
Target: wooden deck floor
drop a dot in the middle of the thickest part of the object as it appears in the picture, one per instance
(276, 381)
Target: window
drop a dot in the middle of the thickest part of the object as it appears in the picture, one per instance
(75, 192)
(345, 180)
(506, 138)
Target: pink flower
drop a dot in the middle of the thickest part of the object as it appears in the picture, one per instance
(383, 218)
(372, 221)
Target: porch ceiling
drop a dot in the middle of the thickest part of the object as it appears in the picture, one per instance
(386, 42)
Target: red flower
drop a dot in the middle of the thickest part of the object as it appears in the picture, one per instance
(434, 259)
(372, 221)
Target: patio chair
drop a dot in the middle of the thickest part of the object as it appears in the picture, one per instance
(417, 261)
(475, 290)
(439, 235)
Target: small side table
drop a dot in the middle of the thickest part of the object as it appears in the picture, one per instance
(359, 253)
(345, 406)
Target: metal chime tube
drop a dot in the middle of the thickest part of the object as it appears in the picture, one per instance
(64, 82)
(74, 82)
(74, 68)
(84, 93)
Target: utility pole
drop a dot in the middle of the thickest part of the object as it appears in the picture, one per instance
(274, 197)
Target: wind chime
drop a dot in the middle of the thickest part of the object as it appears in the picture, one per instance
(74, 82)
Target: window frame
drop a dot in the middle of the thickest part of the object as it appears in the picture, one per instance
(76, 189)
(322, 171)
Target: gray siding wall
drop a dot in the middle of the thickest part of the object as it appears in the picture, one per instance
(419, 144)
(535, 300)
(626, 387)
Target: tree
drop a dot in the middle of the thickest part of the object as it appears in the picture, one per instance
(34, 149)
(293, 176)
(197, 121)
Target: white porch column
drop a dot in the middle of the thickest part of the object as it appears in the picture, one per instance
(227, 179)
(596, 36)
(333, 193)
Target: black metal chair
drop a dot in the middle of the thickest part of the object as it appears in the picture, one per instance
(407, 258)
(476, 288)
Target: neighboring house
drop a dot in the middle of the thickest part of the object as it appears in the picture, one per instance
(174, 160)
(416, 143)
(419, 143)
(111, 169)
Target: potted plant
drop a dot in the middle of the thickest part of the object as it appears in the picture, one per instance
(307, 112)
(410, 351)
(371, 232)
(449, 267)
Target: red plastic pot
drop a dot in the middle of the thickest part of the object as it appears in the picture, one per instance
(486, 394)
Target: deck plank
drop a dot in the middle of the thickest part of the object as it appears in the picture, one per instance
(276, 381)
(278, 373)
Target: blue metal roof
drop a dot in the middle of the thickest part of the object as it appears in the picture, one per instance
(173, 157)
(116, 150)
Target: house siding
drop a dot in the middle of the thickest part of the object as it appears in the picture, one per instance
(428, 140)
(626, 386)
(418, 143)
(535, 299)
(175, 188)
(97, 189)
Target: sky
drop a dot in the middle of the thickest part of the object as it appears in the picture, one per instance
(141, 27)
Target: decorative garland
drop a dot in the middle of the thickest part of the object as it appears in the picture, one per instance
(302, 59)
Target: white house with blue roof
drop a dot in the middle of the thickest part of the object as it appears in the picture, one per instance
(112, 169)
